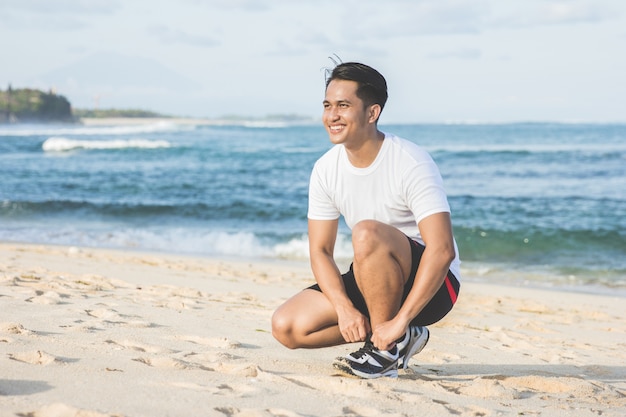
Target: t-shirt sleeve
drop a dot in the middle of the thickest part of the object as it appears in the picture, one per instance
(424, 189)
(321, 204)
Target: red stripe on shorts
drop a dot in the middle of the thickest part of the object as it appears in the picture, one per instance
(450, 290)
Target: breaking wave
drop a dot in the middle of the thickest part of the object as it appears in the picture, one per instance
(60, 144)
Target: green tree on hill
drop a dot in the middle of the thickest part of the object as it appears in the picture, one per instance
(30, 105)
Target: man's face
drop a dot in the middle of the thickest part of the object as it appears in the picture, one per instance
(344, 117)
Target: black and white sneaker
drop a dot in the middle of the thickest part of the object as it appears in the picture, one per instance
(369, 362)
(413, 342)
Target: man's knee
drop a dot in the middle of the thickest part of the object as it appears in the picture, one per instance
(375, 244)
(366, 237)
(282, 329)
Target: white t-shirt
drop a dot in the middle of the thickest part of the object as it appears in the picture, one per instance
(400, 188)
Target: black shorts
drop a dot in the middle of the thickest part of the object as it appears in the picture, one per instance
(435, 310)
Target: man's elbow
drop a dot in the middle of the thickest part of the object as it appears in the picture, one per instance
(447, 253)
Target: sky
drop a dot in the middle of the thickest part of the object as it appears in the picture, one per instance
(476, 61)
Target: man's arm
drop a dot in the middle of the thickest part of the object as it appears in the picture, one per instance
(353, 326)
(436, 231)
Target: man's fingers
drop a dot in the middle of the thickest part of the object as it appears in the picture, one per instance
(354, 335)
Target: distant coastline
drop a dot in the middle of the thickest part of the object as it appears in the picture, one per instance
(267, 121)
(28, 105)
(132, 121)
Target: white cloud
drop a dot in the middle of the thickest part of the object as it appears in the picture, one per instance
(69, 7)
(537, 13)
(458, 53)
(241, 5)
(169, 35)
(112, 70)
(408, 18)
(59, 15)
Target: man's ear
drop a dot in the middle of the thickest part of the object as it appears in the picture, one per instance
(374, 113)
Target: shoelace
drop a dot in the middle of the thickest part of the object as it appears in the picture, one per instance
(367, 347)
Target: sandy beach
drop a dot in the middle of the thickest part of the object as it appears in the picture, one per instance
(92, 332)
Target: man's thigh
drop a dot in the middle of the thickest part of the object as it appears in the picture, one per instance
(308, 311)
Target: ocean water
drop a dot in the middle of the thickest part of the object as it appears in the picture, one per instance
(532, 204)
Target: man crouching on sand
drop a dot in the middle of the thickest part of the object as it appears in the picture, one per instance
(405, 271)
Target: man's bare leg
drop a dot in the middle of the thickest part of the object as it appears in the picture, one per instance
(382, 264)
(306, 320)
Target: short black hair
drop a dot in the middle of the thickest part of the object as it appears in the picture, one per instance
(372, 86)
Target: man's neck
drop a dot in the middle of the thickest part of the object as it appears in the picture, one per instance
(365, 154)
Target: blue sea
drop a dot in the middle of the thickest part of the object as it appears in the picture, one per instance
(539, 204)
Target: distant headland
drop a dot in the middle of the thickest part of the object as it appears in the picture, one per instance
(24, 105)
(28, 105)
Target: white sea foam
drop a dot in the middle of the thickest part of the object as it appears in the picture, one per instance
(61, 144)
(298, 248)
(242, 244)
(265, 124)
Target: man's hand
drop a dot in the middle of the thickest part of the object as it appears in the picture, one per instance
(386, 334)
(353, 325)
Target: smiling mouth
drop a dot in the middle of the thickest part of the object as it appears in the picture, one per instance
(336, 128)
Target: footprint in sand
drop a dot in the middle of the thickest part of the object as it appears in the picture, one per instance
(523, 387)
(248, 412)
(112, 317)
(218, 358)
(62, 410)
(14, 328)
(211, 357)
(247, 370)
(452, 409)
(361, 411)
(178, 304)
(96, 283)
(169, 363)
(236, 390)
(37, 357)
(169, 296)
(436, 357)
(105, 314)
(47, 298)
(352, 387)
(485, 388)
(222, 362)
(140, 347)
(213, 342)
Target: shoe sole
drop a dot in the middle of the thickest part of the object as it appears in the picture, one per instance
(344, 368)
(417, 347)
(387, 374)
(347, 370)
